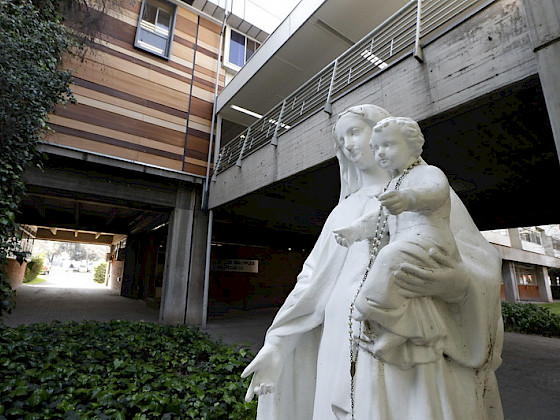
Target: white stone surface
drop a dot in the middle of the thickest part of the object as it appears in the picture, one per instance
(303, 371)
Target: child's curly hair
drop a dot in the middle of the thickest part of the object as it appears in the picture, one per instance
(410, 128)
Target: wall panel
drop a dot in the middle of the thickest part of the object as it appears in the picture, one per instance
(137, 106)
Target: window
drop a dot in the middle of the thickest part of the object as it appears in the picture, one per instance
(530, 235)
(155, 27)
(239, 48)
(526, 274)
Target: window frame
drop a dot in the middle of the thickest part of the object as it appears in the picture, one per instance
(525, 274)
(533, 236)
(226, 62)
(144, 46)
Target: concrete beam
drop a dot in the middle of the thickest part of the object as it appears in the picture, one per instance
(50, 234)
(526, 257)
(112, 161)
(101, 185)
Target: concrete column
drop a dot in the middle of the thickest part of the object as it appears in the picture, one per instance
(514, 238)
(130, 286)
(543, 281)
(195, 296)
(547, 244)
(510, 281)
(183, 279)
(543, 17)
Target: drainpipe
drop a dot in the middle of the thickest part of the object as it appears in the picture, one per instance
(190, 93)
(207, 271)
(207, 180)
(212, 135)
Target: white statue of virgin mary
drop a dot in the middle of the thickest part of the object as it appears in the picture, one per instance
(303, 370)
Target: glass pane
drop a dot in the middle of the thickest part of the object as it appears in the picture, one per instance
(153, 42)
(237, 49)
(251, 48)
(163, 20)
(150, 12)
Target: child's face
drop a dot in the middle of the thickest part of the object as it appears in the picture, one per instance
(353, 134)
(391, 150)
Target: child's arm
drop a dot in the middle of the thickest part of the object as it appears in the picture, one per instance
(426, 190)
(361, 229)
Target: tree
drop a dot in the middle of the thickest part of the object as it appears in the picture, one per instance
(76, 251)
(32, 43)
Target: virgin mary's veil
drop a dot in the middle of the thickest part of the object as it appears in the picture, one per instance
(350, 176)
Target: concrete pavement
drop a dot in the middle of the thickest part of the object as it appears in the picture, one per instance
(529, 378)
(74, 297)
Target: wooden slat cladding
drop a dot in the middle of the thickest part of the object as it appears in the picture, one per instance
(137, 106)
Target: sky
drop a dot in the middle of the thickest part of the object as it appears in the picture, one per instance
(265, 14)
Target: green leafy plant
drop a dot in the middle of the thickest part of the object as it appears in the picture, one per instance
(99, 273)
(120, 369)
(32, 43)
(530, 319)
(7, 297)
(33, 269)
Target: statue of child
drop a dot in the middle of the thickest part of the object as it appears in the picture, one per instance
(399, 329)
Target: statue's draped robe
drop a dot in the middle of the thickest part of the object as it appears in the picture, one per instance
(312, 333)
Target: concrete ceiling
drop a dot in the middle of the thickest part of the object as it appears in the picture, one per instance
(331, 30)
(77, 217)
(77, 201)
(211, 9)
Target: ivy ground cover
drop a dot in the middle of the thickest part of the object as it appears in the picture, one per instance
(119, 369)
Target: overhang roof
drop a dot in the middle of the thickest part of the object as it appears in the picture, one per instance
(216, 12)
(313, 35)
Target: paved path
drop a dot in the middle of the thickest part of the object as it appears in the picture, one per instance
(67, 296)
(529, 378)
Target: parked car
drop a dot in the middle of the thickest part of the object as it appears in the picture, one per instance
(79, 267)
(46, 268)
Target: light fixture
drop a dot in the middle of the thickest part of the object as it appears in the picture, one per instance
(373, 59)
(259, 116)
(246, 111)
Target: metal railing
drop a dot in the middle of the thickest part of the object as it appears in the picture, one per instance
(394, 39)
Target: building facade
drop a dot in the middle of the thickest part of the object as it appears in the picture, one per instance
(222, 188)
(145, 92)
(485, 98)
(530, 262)
(127, 162)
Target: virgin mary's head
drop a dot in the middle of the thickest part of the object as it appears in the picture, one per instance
(350, 175)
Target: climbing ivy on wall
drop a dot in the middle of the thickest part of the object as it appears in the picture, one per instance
(32, 82)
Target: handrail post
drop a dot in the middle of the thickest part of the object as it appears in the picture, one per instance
(217, 167)
(274, 140)
(328, 104)
(238, 163)
(418, 54)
